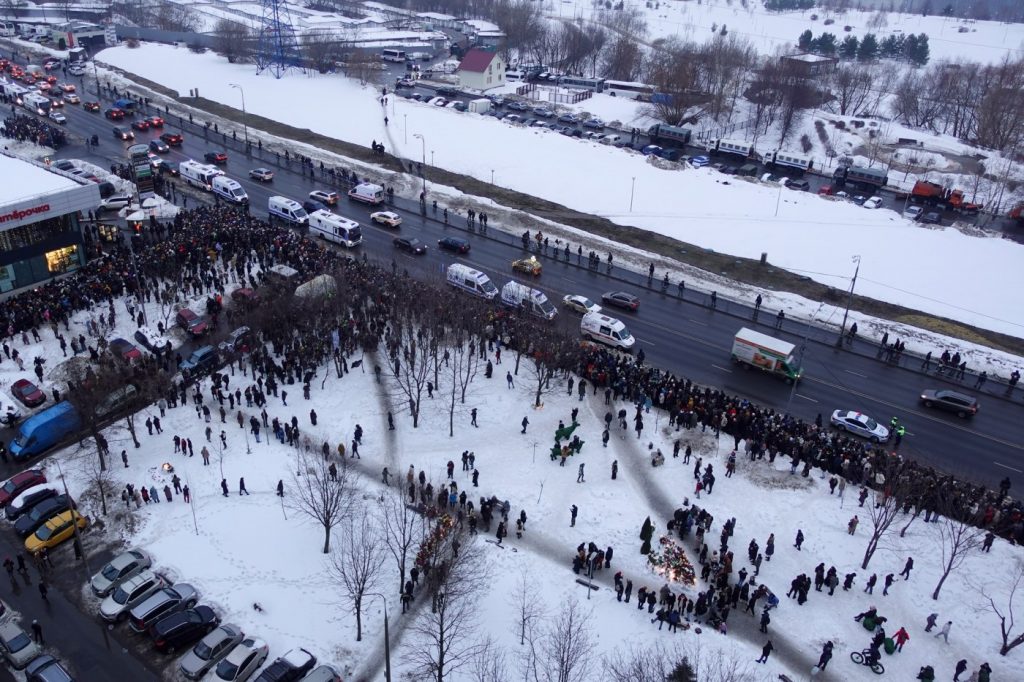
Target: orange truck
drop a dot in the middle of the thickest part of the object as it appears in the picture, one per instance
(934, 193)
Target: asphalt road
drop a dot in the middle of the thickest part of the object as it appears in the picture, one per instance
(684, 336)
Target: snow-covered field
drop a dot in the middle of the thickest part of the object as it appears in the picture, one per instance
(238, 550)
(984, 41)
(900, 261)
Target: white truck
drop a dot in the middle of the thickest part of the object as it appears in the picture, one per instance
(335, 228)
(479, 106)
(367, 193)
(198, 174)
(471, 281)
(534, 302)
(230, 189)
(766, 353)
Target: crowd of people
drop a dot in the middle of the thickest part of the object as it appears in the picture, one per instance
(26, 128)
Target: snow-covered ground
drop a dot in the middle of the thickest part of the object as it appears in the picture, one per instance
(238, 550)
(900, 261)
(983, 41)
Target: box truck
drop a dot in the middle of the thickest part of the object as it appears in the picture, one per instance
(766, 353)
(335, 228)
(42, 431)
(532, 301)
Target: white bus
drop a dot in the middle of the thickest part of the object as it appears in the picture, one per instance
(595, 84)
(393, 55)
(640, 91)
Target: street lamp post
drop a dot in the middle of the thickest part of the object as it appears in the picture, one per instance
(800, 359)
(849, 301)
(423, 144)
(245, 125)
(405, 127)
(492, 176)
(632, 186)
(387, 640)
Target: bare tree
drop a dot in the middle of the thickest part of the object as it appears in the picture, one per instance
(883, 506)
(443, 635)
(959, 537)
(657, 663)
(356, 565)
(1003, 609)
(401, 526)
(488, 664)
(410, 365)
(233, 40)
(319, 49)
(528, 605)
(325, 497)
(462, 364)
(99, 480)
(567, 645)
(851, 87)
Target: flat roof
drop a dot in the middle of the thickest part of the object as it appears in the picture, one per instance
(24, 180)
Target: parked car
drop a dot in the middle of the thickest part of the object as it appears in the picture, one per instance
(594, 123)
(410, 245)
(324, 673)
(162, 603)
(324, 197)
(27, 393)
(309, 205)
(46, 668)
(191, 323)
(55, 531)
(244, 660)
(932, 218)
(960, 404)
(216, 158)
(115, 202)
(202, 360)
(913, 212)
(42, 513)
(873, 202)
(580, 304)
(699, 161)
(571, 119)
(801, 185)
(173, 139)
(124, 566)
(16, 646)
(151, 341)
(129, 593)
(389, 218)
(620, 299)
(245, 297)
(124, 349)
(453, 244)
(288, 668)
(262, 174)
(209, 651)
(18, 483)
(29, 498)
(179, 630)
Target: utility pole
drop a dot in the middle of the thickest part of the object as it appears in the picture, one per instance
(849, 301)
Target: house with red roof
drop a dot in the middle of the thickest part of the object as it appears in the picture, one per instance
(481, 69)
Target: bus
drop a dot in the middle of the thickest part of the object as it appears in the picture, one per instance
(594, 84)
(638, 91)
(393, 55)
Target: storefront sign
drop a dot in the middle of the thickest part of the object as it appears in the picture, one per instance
(22, 213)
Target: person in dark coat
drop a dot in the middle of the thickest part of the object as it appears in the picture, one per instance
(224, 486)
(766, 650)
(765, 619)
(826, 655)
(608, 558)
(961, 668)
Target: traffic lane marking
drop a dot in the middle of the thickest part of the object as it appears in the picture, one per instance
(1000, 464)
(801, 395)
(724, 369)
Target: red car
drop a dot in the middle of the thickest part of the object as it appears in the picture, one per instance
(172, 139)
(124, 349)
(19, 482)
(27, 393)
(140, 125)
(245, 297)
(114, 114)
(217, 158)
(155, 122)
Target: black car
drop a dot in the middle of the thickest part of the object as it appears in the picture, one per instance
(620, 299)
(410, 244)
(288, 668)
(159, 146)
(801, 185)
(447, 92)
(962, 405)
(932, 218)
(178, 630)
(40, 514)
(453, 244)
(311, 205)
(123, 134)
(31, 500)
(171, 168)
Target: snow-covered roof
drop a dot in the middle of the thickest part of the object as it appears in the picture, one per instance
(481, 25)
(436, 15)
(809, 58)
(24, 180)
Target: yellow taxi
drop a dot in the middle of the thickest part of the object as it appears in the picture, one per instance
(55, 531)
(531, 266)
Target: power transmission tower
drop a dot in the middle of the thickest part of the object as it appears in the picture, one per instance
(278, 48)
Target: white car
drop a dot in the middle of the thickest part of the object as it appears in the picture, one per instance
(16, 645)
(122, 567)
(860, 424)
(244, 660)
(128, 594)
(115, 202)
(72, 98)
(58, 117)
(580, 304)
(913, 212)
(261, 174)
(873, 202)
(438, 101)
(389, 218)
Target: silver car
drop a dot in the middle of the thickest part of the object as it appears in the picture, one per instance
(210, 649)
(122, 567)
(244, 660)
(129, 593)
(16, 645)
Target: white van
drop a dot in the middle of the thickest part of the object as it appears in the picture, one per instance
(198, 174)
(532, 301)
(230, 189)
(287, 209)
(335, 228)
(367, 193)
(601, 328)
(7, 29)
(471, 281)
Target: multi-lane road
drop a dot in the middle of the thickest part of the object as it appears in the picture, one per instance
(682, 335)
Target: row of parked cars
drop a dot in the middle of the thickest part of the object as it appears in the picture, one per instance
(169, 614)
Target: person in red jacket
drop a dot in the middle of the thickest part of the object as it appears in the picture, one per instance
(901, 637)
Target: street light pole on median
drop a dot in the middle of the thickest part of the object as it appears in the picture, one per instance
(849, 301)
(245, 125)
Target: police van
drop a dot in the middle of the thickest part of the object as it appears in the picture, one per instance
(231, 190)
(287, 209)
(607, 330)
(471, 281)
(198, 174)
(335, 228)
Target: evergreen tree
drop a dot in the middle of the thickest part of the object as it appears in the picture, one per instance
(805, 40)
(683, 672)
(848, 48)
(825, 44)
(868, 48)
(920, 54)
(891, 46)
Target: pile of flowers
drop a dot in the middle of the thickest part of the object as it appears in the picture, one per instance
(670, 561)
(428, 549)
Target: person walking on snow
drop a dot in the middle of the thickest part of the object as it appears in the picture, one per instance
(579, 476)
(573, 510)
(944, 632)
(826, 655)
(526, 422)
(766, 651)
(905, 573)
(901, 637)
(799, 539)
(930, 623)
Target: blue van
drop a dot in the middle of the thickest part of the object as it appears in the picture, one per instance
(42, 431)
